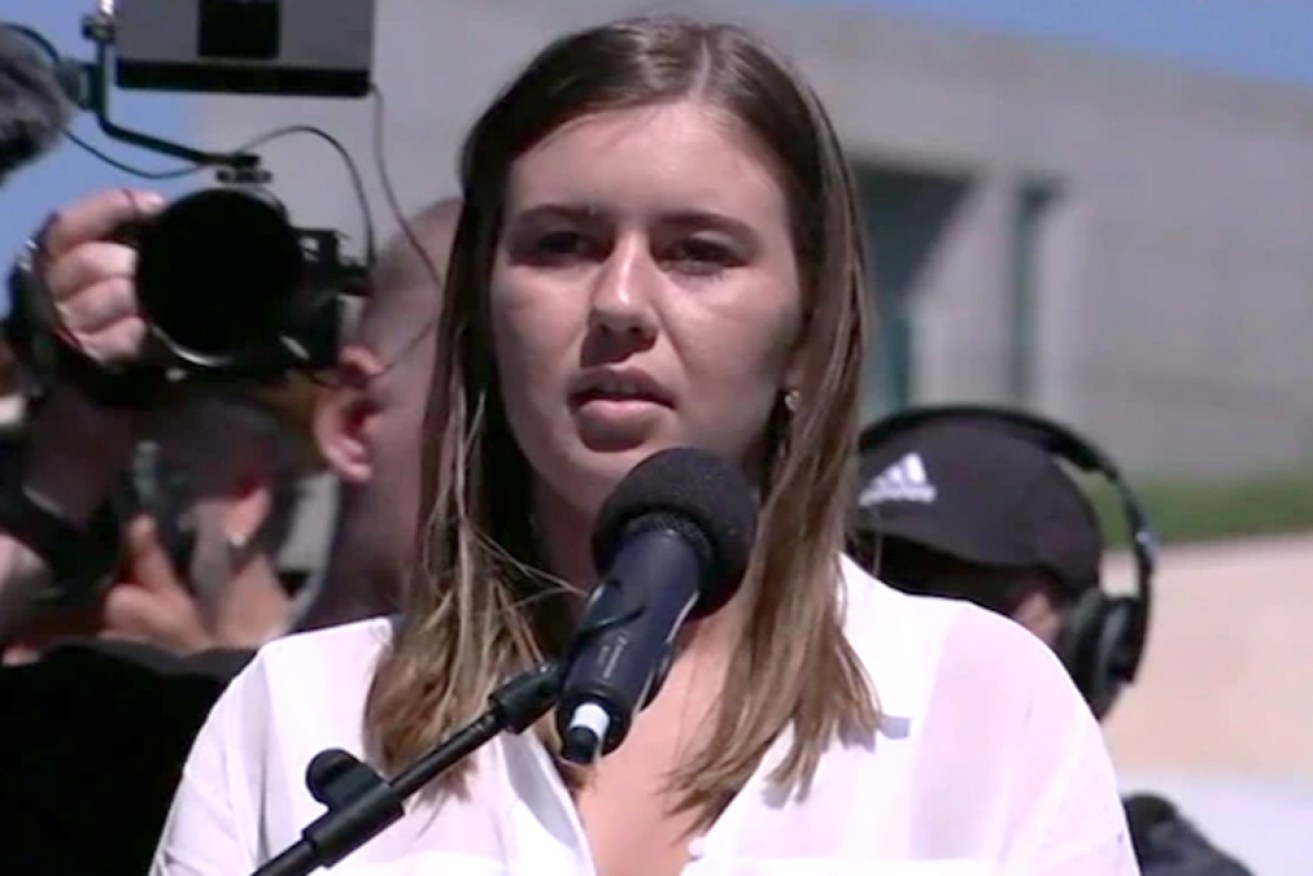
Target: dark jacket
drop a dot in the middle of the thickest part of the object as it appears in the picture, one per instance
(1168, 845)
(92, 741)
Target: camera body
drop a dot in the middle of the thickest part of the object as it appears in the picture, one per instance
(230, 289)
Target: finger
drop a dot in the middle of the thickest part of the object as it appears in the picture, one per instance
(99, 306)
(96, 218)
(133, 613)
(88, 264)
(148, 562)
(121, 342)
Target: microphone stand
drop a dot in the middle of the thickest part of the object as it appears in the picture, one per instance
(361, 803)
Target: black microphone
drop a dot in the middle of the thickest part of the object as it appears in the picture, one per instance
(34, 101)
(673, 541)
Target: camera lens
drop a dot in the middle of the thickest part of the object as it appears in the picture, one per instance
(216, 274)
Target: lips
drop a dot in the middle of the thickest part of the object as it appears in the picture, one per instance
(622, 385)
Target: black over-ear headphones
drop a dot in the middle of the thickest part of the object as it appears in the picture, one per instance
(1103, 636)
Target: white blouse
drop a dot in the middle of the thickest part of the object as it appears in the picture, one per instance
(987, 762)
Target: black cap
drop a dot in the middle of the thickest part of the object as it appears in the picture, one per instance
(977, 493)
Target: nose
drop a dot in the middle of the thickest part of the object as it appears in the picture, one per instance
(623, 291)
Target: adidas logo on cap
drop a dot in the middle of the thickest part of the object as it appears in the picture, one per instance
(904, 481)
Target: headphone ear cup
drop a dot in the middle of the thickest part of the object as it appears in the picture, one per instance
(1117, 652)
(1097, 646)
(1083, 648)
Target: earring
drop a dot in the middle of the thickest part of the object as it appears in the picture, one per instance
(791, 399)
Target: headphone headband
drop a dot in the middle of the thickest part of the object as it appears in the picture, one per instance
(1064, 443)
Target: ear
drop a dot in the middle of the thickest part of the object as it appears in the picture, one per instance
(1038, 612)
(345, 415)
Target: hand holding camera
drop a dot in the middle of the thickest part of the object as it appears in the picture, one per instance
(90, 274)
(77, 446)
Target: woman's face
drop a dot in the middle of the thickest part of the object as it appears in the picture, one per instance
(644, 295)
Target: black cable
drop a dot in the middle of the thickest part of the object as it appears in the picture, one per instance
(357, 183)
(176, 173)
(57, 62)
(59, 65)
(394, 204)
(36, 37)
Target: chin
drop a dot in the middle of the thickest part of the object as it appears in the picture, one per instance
(585, 476)
(604, 468)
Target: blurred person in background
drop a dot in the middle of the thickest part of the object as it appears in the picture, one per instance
(366, 421)
(368, 425)
(141, 582)
(102, 695)
(203, 506)
(202, 488)
(973, 503)
(218, 468)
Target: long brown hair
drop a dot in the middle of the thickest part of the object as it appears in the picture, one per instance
(477, 610)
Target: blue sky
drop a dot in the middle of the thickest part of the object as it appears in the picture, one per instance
(68, 173)
(1262, 39)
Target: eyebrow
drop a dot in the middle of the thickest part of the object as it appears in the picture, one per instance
(685, 219)
(575, 212)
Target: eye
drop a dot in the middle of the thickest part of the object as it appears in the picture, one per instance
(563, 246)
(696, 255)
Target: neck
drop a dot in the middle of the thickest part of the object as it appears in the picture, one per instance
(563, 532)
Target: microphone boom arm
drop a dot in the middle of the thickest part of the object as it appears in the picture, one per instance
(361, 803)
(99, 28)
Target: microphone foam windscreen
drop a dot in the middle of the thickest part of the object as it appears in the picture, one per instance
(696, 494)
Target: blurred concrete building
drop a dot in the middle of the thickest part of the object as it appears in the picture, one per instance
(1122, 244)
